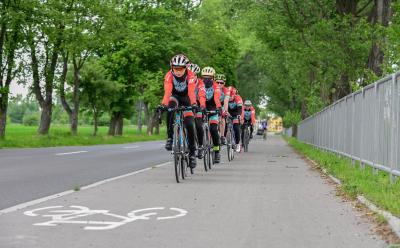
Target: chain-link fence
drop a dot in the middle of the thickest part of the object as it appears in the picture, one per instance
(363, 126)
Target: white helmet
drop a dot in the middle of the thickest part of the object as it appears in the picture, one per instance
(208, 71)
(247, 103)
(179, 60)
(194, 68)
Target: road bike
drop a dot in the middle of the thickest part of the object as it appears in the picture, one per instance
(246, 136)
(180, 147)
(207, 142)
(230, 139)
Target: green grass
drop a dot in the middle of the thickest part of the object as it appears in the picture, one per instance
(375, 187)
(24, 136)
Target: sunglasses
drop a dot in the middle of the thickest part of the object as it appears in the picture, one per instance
(178, 68)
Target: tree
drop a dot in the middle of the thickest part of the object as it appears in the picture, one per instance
(97, 91)
(46, 18)
(11, 21)
(85, 35)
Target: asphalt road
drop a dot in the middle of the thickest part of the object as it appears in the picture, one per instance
(268, 197)
(28, 174)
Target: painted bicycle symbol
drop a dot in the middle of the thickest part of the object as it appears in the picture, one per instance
(81, 215)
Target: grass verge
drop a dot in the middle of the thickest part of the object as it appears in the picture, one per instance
(355, 181)
(19, 136)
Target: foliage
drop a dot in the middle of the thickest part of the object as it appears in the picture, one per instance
(291, 117)
(31, 119)
(296, 56)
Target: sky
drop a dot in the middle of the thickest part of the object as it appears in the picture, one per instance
(18, 89)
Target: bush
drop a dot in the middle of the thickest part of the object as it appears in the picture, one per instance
(104, 120)
(127, 122)
(31, 119)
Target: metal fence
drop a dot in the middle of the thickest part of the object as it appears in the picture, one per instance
(363, 126)
(287, 131)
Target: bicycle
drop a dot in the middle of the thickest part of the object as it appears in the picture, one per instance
(180, 148)
(207, 142)
(230, 139)
(246, 137)
(265, 134)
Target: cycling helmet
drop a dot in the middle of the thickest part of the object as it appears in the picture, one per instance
(220, 78)
(208, 71)
(247, 103)
(179, 60)
(194, 68)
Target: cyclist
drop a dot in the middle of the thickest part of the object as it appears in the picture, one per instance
(221, 79)
(201, 101)
(264, 126)
(213, 103)
(179, 89)
(248, 117)
(235, 107)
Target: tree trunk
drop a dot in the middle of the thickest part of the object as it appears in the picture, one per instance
(380, 15)
(116, 124)
(150, 125)
(45, 118)
(75, 111)
(74, 122)
(95, 120)
(119, 125)
(139, 116)
(157, 126)
(3, 115)
(342, 87)
(111, 129)
(147, 117)
(294, 130)
(303, 110)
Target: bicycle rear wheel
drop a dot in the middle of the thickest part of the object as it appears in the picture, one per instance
(229, 144)
(233, 140)
(246, 140)
(206, 151)
(210, 150)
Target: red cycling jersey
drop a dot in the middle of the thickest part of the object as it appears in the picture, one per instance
(201, 89)
(187, 87)
(250, 111)
(211, 95)
(235, 102)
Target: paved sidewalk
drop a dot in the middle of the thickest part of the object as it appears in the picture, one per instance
(268, 197)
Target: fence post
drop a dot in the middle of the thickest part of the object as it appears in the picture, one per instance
(362, 164)
(392, 130)
(353, 114)
(397, 115)
(376, 126)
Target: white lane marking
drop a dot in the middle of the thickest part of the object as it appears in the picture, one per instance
(82, 216)
(131, 147)
(68, 153)
(51, 197)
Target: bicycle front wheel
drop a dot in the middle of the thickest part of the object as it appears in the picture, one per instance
(178, 167)
(206, 151)
(229, 145)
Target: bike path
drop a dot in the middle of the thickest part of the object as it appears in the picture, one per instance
(268, 197)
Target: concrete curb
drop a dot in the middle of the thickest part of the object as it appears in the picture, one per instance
(393, 221)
